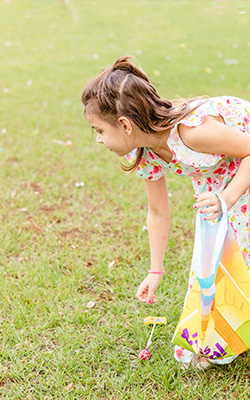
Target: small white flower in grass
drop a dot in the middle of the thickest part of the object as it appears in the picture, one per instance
(79, 184)
(220, 54)
(111, 264)
(6, 90)
(235, 46)
(169, 194)
(90, 304)
(139, 52)
(8, 43)
(29, 83)
(144, 228)
(95, 56)
(4, 130)
(222, 77)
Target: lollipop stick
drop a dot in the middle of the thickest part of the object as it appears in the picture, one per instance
(149, 340)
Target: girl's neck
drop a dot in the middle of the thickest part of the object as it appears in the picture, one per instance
(157, 142)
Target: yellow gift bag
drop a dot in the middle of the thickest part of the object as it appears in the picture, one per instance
(215, 321)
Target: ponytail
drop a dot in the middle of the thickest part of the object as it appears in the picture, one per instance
(124, 64)
(124, 89)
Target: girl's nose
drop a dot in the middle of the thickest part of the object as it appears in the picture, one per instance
(99, 139)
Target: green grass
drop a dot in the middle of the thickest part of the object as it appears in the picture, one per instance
(63, 246)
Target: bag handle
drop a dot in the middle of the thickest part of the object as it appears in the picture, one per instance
(223, 205)
(205, 233)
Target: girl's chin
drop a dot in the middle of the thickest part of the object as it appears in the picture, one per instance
(118, 153)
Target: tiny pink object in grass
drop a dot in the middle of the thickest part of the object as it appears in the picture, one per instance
(144, 354)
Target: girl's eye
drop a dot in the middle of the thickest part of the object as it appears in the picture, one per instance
(99, 132)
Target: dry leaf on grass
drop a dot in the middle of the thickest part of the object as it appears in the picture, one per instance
(70, 386)
(90, 304)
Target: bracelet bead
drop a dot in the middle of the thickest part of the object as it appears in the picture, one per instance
(156, 272)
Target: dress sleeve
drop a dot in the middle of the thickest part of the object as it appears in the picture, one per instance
(151, 167)
(183, 153)
(199, 115)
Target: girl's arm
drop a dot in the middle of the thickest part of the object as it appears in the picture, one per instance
(215, 137)
(158, 220)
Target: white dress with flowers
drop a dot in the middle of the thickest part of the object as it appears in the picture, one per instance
(209, 172)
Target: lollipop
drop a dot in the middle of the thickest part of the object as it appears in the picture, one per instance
(145, 353)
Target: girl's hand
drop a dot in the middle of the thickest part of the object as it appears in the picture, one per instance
(145, 293)
(211, 203)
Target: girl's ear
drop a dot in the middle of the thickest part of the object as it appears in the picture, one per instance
(125, 124)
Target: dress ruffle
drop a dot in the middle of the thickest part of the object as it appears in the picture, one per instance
(184, 154)
(151, 167)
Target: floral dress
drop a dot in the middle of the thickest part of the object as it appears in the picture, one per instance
(209, 172)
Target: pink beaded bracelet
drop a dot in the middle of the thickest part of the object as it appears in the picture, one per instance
(156, 272)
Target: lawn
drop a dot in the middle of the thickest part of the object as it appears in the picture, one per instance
(73, 247)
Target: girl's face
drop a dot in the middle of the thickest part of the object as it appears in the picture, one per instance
(117, 138)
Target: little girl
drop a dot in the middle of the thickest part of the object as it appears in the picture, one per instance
(206, 139)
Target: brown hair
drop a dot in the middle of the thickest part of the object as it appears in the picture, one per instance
(124, 89)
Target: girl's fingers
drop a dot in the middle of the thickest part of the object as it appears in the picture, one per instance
(208, 210)
(208, 203)
(142, 294)
(147, 288)
(207, 200)
(144, 299)
(213, 216)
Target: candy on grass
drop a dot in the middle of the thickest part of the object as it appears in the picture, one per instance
(145, 353)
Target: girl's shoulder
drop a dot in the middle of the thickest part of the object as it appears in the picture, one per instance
(223, 106)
